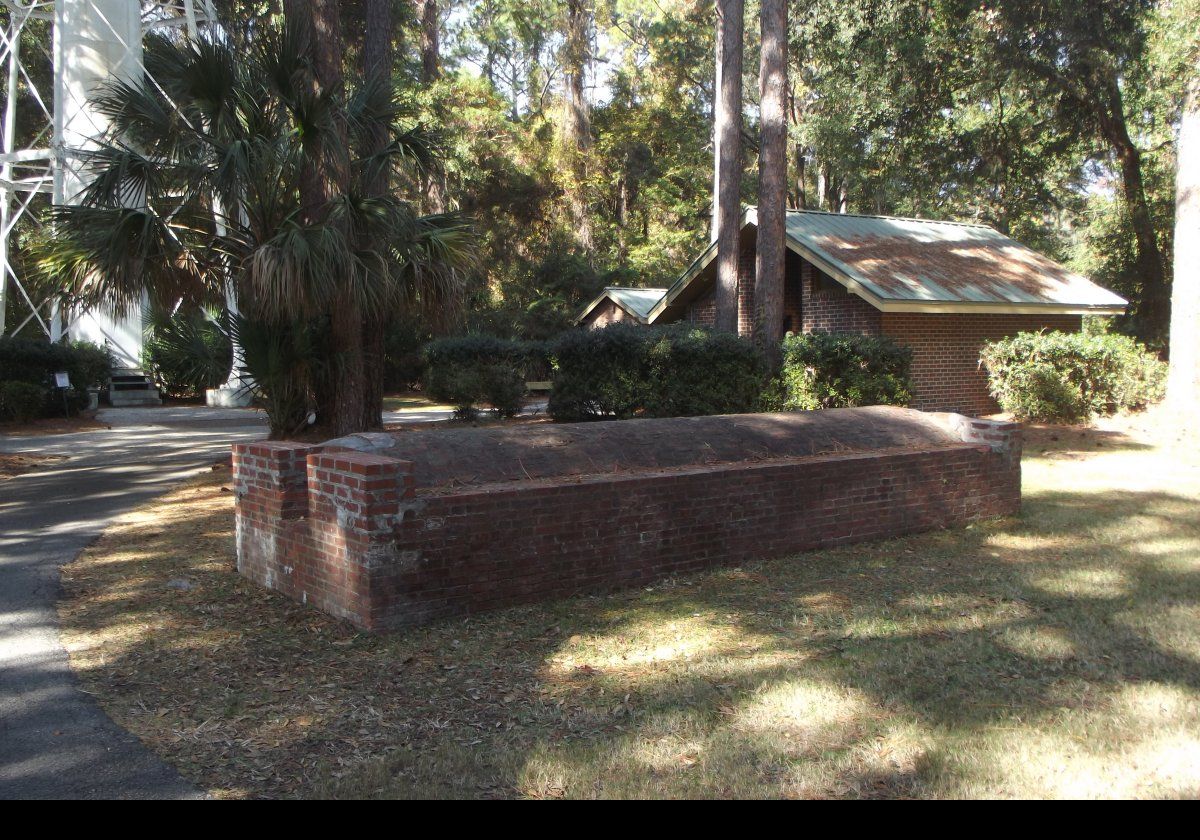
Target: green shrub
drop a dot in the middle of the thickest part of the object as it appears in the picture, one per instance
(836, 370)
(21, 402)
(403, 356)
(1067, 377)
(35, 362)
(285, 361)
(187, 353)
(476, 370)
(625, 370)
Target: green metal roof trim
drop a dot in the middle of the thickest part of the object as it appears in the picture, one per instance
(636, 302)
(918, 265)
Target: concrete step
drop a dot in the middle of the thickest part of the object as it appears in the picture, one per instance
(131, 387)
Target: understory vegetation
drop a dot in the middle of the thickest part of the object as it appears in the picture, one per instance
(838, 370)
(1069, 377)
(27, 370)
(625, 370)
(187, 353)
(1050, 655)
(473, 371)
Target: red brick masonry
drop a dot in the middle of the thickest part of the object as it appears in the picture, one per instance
(355, 533)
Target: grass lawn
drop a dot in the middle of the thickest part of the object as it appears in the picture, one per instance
(1052, 655)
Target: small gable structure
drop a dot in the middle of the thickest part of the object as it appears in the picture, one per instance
(941, 288)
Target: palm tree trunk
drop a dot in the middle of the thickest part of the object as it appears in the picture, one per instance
(341, 399)
(1183, 386)
(772, 183)
(728, 132)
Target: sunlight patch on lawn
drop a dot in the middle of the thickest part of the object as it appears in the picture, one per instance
(1087, 582)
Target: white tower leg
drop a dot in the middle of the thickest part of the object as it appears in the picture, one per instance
(95, 41)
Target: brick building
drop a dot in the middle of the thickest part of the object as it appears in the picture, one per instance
(940, 288)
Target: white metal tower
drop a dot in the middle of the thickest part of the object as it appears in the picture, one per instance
(90, 42)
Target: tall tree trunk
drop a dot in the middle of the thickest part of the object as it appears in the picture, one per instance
(1183, 386)
(341, 399)
(431, 57)
(728, 132)
(714, 215)
(431, 71)
(1152, 314)
(772, 183)
(577, 121)
(378, 57)
(801, 178)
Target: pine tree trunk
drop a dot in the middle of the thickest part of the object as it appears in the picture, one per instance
(728, 132)
(1183, 386)
(431, 57)
(714, 216)
(431, 70)
(577, 122)
(377, 60)
(772, 183)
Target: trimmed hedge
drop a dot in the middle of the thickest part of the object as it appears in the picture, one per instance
(1067, 377)
(476, 370)
(35, 362)
(21, 402)
(624, 370)
(839, 370)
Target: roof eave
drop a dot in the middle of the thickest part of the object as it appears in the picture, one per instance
(853, 284)
(605, 295)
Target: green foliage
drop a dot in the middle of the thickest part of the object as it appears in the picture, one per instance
(474, 370)
(35, 362)
(836, 370)
(623, 370)
(1067, 377)
(187, 353)
(403, 354)
(21, 402)
(286, 361)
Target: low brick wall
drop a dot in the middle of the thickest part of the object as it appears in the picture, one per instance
(391, 530)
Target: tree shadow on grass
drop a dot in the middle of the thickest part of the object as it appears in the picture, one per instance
(899, 668)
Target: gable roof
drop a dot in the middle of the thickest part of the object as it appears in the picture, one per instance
(636, 303)
(919, 265)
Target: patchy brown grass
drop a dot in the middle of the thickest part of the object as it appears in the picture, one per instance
(1052, 655)
(52, 426)
(13, 465)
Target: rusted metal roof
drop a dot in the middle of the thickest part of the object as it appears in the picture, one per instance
(635, 302)
(917, 261)
(917, 265)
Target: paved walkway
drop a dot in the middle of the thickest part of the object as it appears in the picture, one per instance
(55, 742)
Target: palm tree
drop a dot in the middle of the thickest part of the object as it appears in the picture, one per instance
(198, 187)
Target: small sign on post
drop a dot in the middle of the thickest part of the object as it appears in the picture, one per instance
(62, 381)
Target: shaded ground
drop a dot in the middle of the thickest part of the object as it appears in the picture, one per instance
(54, 740)
(13, 465)
(51, 426)
(1056, 654)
